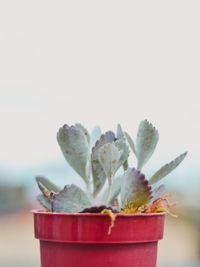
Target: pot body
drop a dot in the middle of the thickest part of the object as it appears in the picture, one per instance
(82, 239)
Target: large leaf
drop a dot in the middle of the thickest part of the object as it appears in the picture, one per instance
(99, 176)
(166, 169)
(109, 157)
(44, 201)
(74, 145)
(84, 130)
(123, 148)
(95, 135)
(131, 143)
(71, 199)
(135, 190)
(47, 183)
(146, 141)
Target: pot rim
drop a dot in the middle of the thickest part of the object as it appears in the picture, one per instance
(42, 212)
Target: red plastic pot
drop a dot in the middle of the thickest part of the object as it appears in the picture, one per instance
(82, 240)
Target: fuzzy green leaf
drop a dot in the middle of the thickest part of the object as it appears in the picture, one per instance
(98, 174)
(131, 143)
(84, 130)
(74, 145)
(166, 169)
(99, 177)
(120, 133)
(71, 199)
(95, 135)
(44, 201)
(146, 141)
(47, 183)
(135, 190)
(44, 190)
(109, 157)
(157, 193)
(123, 148)
(121, 136)
(106, 138)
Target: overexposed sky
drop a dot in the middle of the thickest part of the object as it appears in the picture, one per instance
(98, 62)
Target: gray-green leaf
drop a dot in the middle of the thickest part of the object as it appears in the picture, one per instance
(106, 138)
(84, 130)
(95, 135)
(44, 201)
(44, 190)
(131, 143)
(71, 199)
(120, 133)
(74, 145)
(146, 141)
(47, 183)
(135, 190)
(98, 174)
(123, 148)
(109, 156)
(166, 169)
(157, 193)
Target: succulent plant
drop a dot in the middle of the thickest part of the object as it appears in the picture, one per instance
(97, 158)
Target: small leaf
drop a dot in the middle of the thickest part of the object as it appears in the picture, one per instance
(47, 183)
(166, 169)
(157, 193)
(99, 209)
(99, 176)
(131, 143)
(109, 156)
(135, 190)
(71, 199)
(74, 145)
(120, 133)
(121, 136)
(95, 135)
(44, 201)
(146, 141)
(44, 190)
(123, 148)
(84, 130)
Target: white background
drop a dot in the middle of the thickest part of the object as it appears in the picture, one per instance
(99, 62)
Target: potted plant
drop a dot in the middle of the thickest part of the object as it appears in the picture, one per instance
(122, 227)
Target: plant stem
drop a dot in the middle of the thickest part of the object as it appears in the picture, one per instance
(109, 190)
(88, 186)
